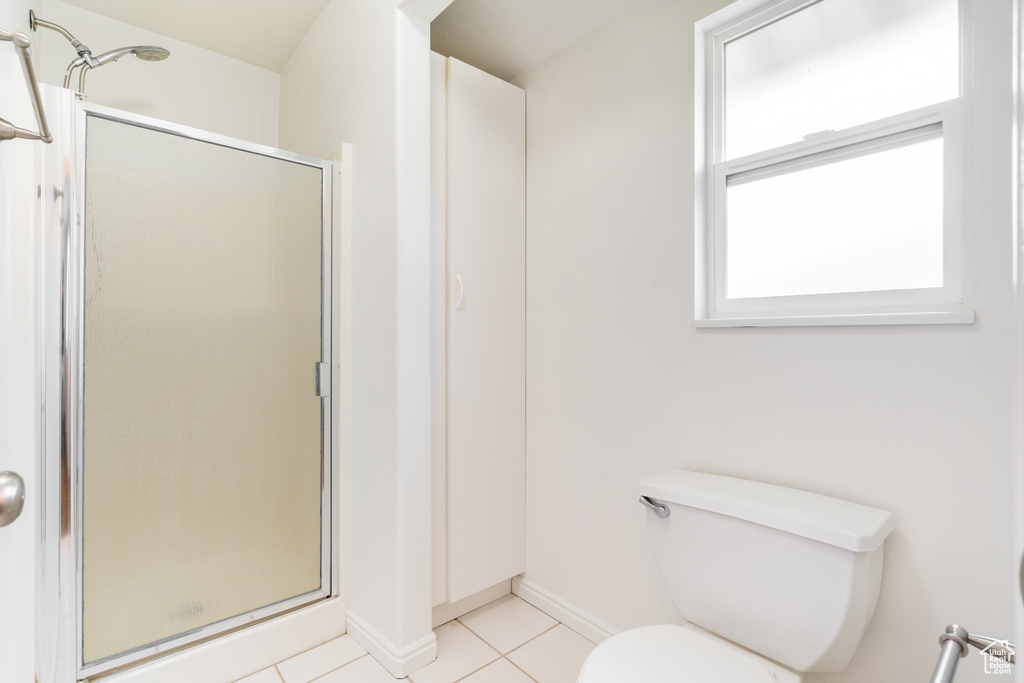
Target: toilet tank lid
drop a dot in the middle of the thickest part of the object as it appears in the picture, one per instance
(829, 520)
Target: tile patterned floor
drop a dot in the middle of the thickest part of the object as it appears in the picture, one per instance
(506, 641)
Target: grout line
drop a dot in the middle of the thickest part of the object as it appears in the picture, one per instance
(520, 668)
(478, 669)
(557, 624)
(482, 639)
(279, 674)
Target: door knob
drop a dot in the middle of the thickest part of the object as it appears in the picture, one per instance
(12, 497)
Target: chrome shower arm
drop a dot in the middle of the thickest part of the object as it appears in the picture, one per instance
(85, 59)
(83, 50)
(35, 21)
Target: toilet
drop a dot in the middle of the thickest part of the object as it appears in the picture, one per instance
(772, 581)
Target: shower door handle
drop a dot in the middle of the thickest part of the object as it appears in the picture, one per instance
(323, 380)
(12, 497)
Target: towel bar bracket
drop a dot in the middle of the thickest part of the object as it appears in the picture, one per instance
(955, 643)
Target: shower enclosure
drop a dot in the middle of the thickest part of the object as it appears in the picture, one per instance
(187, 471)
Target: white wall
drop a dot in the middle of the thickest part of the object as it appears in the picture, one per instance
(361, 76)
(621, 385)
(327, 99)
(194, 86)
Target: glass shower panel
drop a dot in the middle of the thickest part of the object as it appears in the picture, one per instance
(201, 429)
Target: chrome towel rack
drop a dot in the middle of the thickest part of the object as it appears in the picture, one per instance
(955, 643)
(8, 131)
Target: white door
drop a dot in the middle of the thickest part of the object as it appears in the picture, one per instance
(487, 329)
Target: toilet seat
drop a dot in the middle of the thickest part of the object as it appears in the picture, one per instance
(676, 654)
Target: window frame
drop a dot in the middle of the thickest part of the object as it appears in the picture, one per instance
(950, 303)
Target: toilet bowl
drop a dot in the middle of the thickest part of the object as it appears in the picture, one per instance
(772, 581)
(667, 653)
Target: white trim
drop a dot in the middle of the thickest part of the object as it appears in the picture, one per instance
(964, 317)
(888, 133)
(1017, 472)
(341, 377)
(747, 17)
(232, 656)
(702, 188)
(950, 303)
(400, 662)
(587, 625)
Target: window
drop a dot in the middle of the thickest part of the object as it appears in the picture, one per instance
(829, 164)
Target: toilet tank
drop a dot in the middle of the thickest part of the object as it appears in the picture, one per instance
(789, 574)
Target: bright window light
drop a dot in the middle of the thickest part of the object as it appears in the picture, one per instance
(830, 182)
(868, 223)
(836, 64)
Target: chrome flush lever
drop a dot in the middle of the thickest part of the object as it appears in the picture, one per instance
(658, 508)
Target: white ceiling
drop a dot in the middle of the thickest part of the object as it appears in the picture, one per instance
(506, 37)
(502, 37)
(260, 32)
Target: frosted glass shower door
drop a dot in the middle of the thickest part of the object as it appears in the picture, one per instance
(202, 440)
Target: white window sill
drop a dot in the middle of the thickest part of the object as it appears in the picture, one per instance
(955, 317)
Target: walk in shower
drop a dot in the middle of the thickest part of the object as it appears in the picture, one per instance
(187, 315)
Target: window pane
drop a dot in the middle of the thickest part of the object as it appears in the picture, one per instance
(837, 64)
(869, 223)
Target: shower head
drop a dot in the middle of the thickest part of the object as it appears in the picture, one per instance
(85, 60)
(147, 53)
(152, 53)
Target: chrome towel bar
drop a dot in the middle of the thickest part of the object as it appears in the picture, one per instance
(8, 131)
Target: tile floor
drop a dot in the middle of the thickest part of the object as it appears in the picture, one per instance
(506, 641)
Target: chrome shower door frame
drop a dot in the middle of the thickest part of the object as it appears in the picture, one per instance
(60, 608)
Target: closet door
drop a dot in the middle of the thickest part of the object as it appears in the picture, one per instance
(487, 329)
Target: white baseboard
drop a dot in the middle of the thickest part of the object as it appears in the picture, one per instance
(400, 662)
(447, 611)
(586, 625)
(244, 652)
